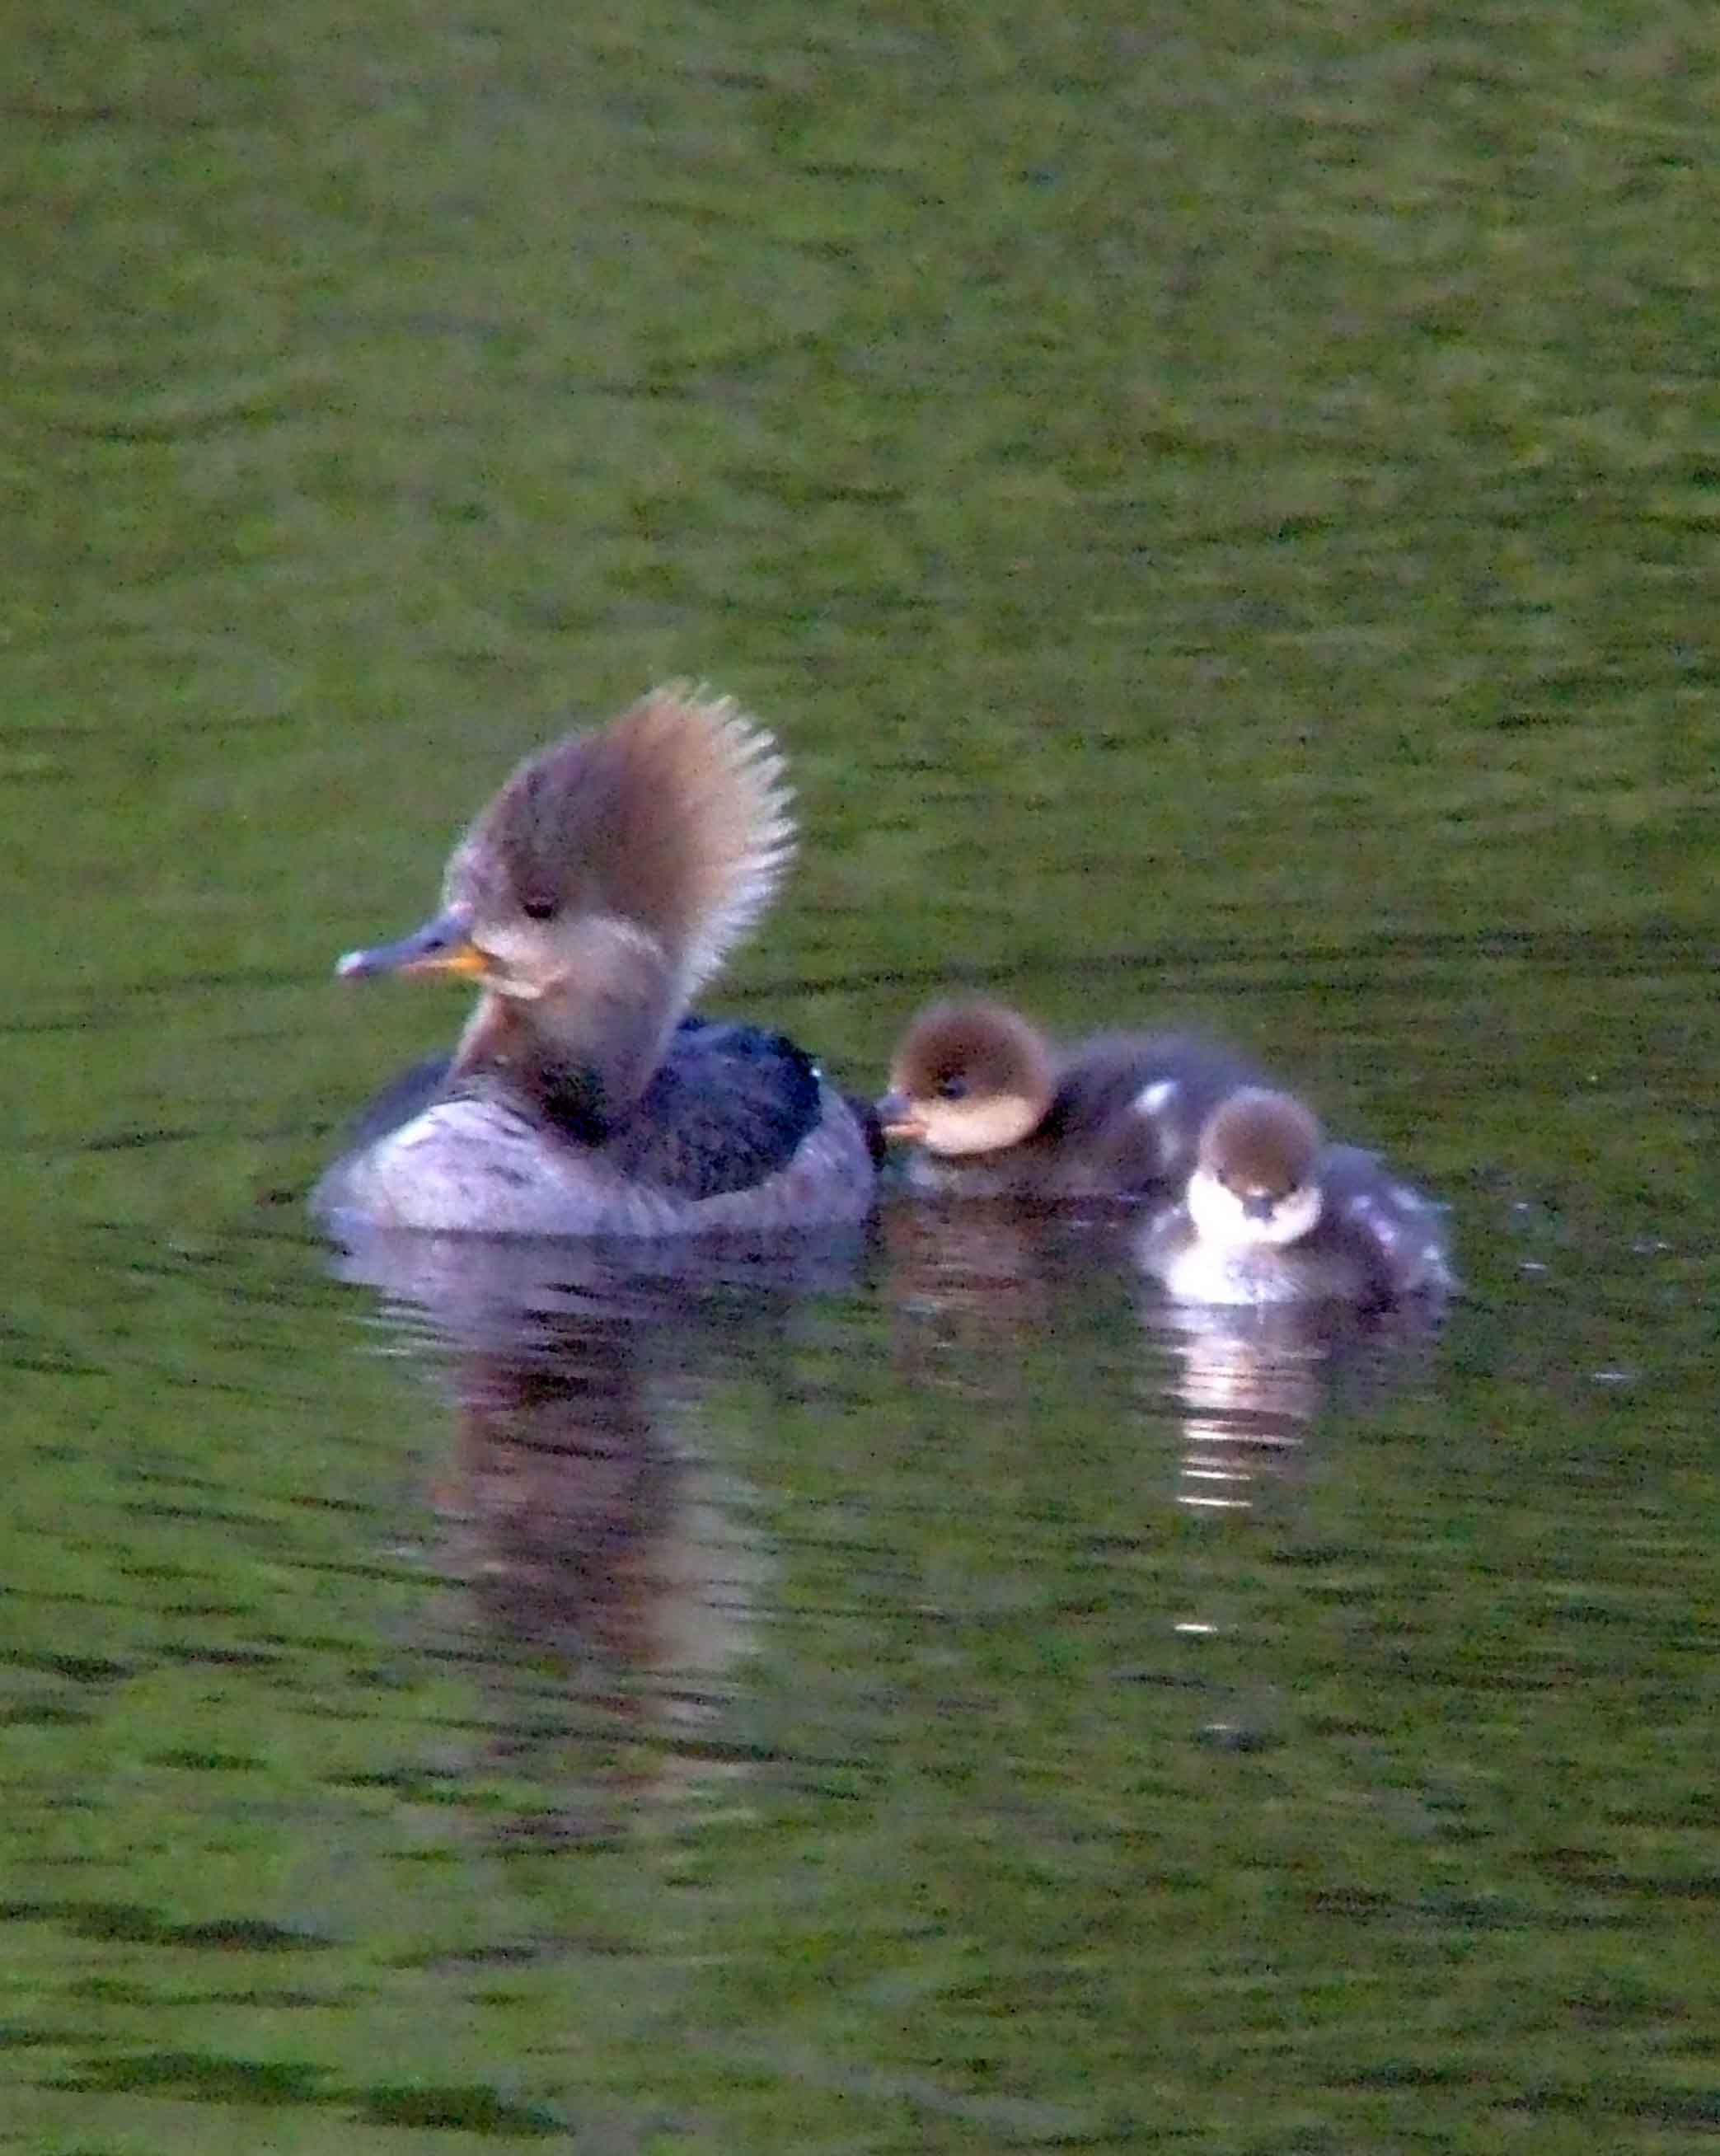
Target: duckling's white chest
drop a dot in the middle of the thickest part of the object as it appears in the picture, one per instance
(1195, 1269)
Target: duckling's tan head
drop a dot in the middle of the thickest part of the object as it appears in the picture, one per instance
(604, 885)
(968, 1078)
(1255, 1182)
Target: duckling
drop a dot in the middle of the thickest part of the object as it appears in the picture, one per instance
(602, 886)
(1272, 1214)
(993, 1110)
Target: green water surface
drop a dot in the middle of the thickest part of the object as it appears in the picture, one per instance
(1220, 506)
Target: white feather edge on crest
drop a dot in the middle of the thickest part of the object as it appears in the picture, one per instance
(746, 816)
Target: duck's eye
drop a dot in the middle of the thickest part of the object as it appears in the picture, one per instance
(952, 1089)
(538, 909)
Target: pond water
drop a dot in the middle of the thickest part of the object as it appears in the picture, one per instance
(1222, 512)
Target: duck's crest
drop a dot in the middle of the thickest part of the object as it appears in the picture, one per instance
(676, 819)
(723, 769)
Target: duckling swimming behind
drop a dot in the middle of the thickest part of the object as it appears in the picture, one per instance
(601, 887)
(1272, 1216)
(993, 1110)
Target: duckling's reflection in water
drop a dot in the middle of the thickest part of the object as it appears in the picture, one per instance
(1248, 1384)
(979, 1285)
(586, 1528)
(970, 1277)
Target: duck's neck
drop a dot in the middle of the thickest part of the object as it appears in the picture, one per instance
(586, 1049)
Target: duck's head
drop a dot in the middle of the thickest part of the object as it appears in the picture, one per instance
(603, 886)
(1255, 1184)
(968, 1078)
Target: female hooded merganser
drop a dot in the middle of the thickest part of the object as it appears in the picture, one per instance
(1271, 1216)
(601, 888)
(993, 1112)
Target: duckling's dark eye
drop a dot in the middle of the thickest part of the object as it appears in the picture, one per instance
(952, 1089)
(538, 909)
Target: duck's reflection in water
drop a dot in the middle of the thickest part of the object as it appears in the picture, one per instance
(586, 1525)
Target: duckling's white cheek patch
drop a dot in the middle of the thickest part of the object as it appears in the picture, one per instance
(1295, 1216)
(1151, 1100)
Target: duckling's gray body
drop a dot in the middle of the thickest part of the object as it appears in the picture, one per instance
(1375, 1242)
(1118, 1117)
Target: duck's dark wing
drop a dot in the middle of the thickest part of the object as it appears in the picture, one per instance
(730, 1104)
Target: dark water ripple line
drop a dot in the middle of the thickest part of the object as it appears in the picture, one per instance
(1658, 948)
(212, 2077)
(187, 418)
(141, 1924)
